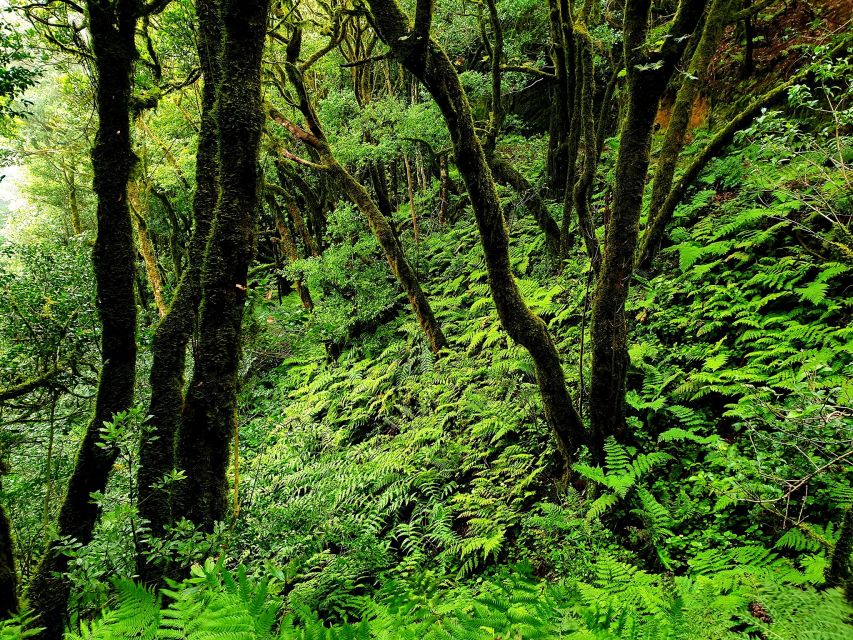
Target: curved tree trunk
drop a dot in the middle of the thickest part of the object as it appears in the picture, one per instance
(429, 63)
(169, 347)
(209, 414)
(112, 27)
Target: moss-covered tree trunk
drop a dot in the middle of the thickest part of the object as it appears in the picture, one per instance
(209, 414)
(8, 572)
(676, 131)
(839, 571)
(654, 232)
(582, 189)
(112, 27)
(561, 107)
(138, 199)
(169, 348)
(429, 63)
(646, 80)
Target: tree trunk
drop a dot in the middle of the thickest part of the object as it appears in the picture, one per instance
(8, 573)
(654, 232)
(209, 414)
(646, 82)
(380, 188)
(312, 247)
(139, 208)
(561, 107)
(169, 347)
(429, 63)
(411, 190)
(112, 28)
(288, 248)
(443, 181)
(396, 257)
(582, 191)
(73, 203)
(506, 174)
(676, 131)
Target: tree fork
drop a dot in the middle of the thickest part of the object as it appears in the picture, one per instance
(157, 449)
(646, 80)
(207, 425)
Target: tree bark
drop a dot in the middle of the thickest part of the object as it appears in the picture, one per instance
(139, 208)
(646, 81)
(582, 190)
(561, 108)
(73, 203)
(838, 572)
(8, 573)
(209, 413)
(653, 234)
(676, 131)
(443, 189)
(436, 72)
(157, 456)
(112, 28)
(411, 191)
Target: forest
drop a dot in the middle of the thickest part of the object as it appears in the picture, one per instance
(426, 319)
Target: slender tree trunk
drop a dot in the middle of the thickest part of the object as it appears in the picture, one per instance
(112, 28)
(561, 106)
(73, 203)
(654, 232)
(312, 247)
(394, 254)
(646, 82)
(676, 131)
(157, 456)
(210, 409)
(139, 208)
(443, 181)
(287, 247)
(506, 174)
(411, 190)
(380, 188)
(583, 188)
(315, 139)
(429, 63)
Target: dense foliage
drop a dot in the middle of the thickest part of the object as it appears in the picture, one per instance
(380, 483)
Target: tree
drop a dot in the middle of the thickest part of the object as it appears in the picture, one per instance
(427, 61)
(647, 77)
(169, 348)
(379, 225)
(112, 26)
(209, 413)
